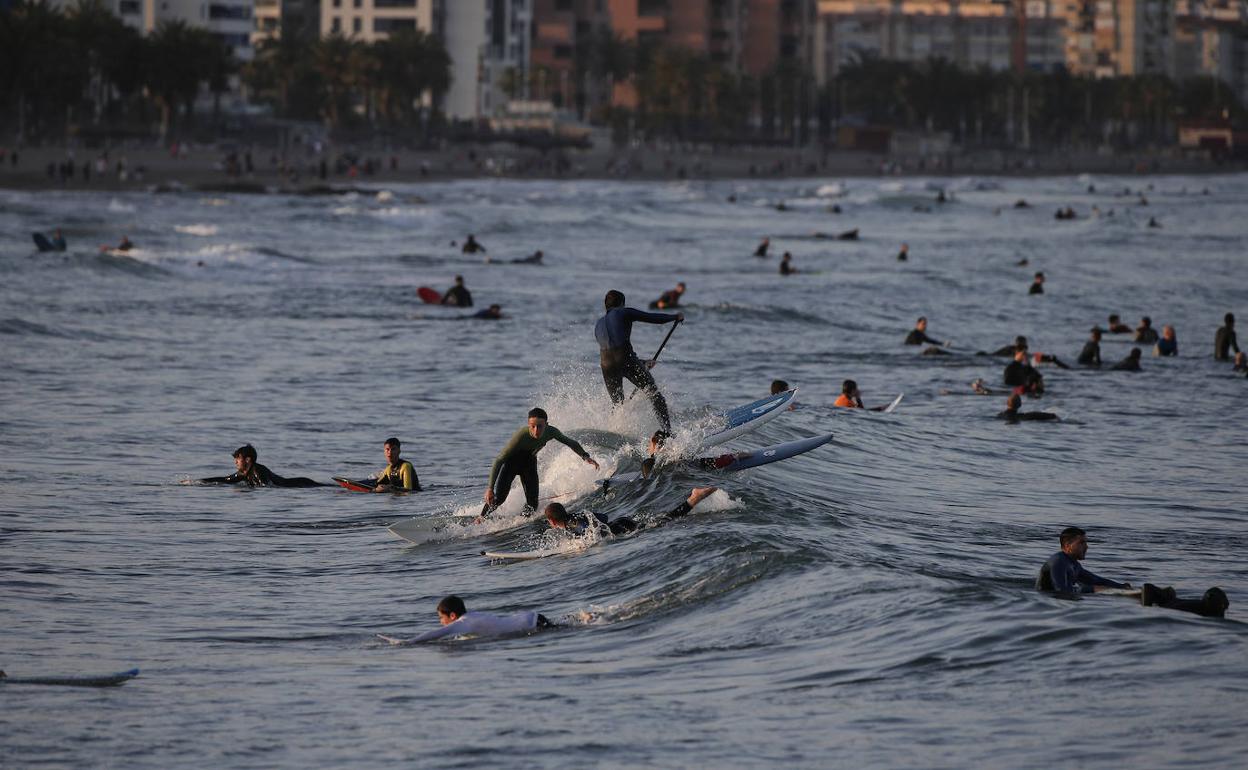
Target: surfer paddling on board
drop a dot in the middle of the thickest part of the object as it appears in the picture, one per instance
(1063, 575)
(851, 398)
(614, 334)
(399, 475)
(519, 458)
(456, 620)
(253, 474)
(578, 524)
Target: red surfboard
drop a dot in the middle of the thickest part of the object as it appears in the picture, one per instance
(430, 296)
(363, 485)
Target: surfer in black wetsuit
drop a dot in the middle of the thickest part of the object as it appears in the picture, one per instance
(1091, 353)
(1020, 375)
(1012, 415)
(253, 474)
(1224, 341)
(1037, 285)
(1145, 334)
(786, 264)
(533, 259)
(58, 240)
(472, 246)
(669, 298)
(848, 235)
(491, 313)
(458, 295)
(904, 254)
(1129, 364)
(1116, 326)
(761, 251)
(579, 524)
(617, 358)
(1008, 351)
(918, 335)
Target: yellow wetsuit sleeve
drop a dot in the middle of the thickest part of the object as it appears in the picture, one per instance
(407, 474)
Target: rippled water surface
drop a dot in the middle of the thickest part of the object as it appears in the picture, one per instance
(868, 604)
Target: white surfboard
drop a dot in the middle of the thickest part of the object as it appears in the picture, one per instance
(540, 553)
(419, 530)
(889, 409)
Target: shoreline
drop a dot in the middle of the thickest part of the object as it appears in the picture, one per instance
(202, 169)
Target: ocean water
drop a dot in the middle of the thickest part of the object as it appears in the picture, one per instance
(867, 604)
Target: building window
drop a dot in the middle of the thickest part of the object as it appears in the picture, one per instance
(386, 26)
(337, 3)
(130, 7)
(216, 11)
(336, 26)
(394, 3)
(357, 24)
(357, 3)
(563, 5)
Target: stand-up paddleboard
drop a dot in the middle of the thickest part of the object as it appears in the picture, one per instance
(889, 409)
(429, 296)
(742, 419)
(356, 485)
(107, 680)
(776, 453)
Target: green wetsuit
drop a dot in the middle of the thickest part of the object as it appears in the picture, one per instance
(519, 458)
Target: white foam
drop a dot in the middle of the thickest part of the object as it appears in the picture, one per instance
(198, 229)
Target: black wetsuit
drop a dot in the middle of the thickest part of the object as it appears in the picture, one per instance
(916, 337)
(625, 525)
(1224, 342)
(1091, 354)
(1062, 574)
(1013, 415)
(1019, 374)
(261, 476)
(786, 268)
(670, 298)
(472, 247)
(1145, 335)
(1128, 364)
(1008, 351)
(1036, 288)
(457, 296)
(618, 360)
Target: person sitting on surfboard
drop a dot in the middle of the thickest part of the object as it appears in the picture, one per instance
(519, 458)
(399, 475)
(578, 524)
(763, 245)
(669, 298)
(850, 398)
(1022, 376)
(1012, 415)
(1116, 326)
(614, 334)
(472, 246)
(253, 474)
(458, 295)
(1091, 353)
(1129, 364)
(918, 335)
(456, 620)
(786, 264)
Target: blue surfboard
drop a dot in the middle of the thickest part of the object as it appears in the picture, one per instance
(742, 419)
(776, 453)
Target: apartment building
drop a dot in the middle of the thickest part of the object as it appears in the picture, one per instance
(298, 19)
(488, 41)
(369, 20)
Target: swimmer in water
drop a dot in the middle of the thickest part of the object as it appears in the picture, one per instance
(1225, 341)
(669, 298)
(472, 246)
(456, 620)
(786, 264)
(761, 251)
(1012, 415)
(253, 474)
(1116, 326)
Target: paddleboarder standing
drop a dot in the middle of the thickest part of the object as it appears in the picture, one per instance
(617, 357)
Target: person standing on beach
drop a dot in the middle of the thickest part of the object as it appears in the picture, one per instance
(1225, 339)
(617, 358)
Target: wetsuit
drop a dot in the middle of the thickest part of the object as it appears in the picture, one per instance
(1013, 415)
(401, 476)
(1008, 351)
(519, 458)
(472, 247)
(786, 268)
(1127, 365)
(1036, 288)
(532, 259)
(1224, 342)
(670, 298)
(261, 476)
(916, 337)
(761, 251)
(1091, 354)
(1118, 328)
(1063, 574)
(623, 525)
(1145, 335)
(614, 332)
(1167, 347)
(1020, 375)
(457, 296)
(484, 624)
(487, 313)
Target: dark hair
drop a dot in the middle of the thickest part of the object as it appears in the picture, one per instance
(1020, 342)
(452, 605)
(1039, 274)
(555, 512)
(613, 299)
(459, 279)
(680, 284)
(1113, 317)
(1097, 330)
(778, 386)
(848, 387)
(539, 413)
(1070, 535)
(660, 436)
(1135, 353)
(1146, 321)
(1229, 318)
(246, 450)
(392, 441)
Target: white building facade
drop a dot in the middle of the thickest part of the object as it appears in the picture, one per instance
(488, 41)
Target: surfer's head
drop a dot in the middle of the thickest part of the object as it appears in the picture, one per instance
(614, 298)
(459, 280)
(537, 422)
(451, 609)
(557, 516)
(656, 441)
(778, 386)
(1074, 542)
(921, 324)
(392, 447)
(1020, 342)
(849, 388)
(244, 457)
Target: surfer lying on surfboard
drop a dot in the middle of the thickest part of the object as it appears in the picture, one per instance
(578, 524)
(1064, 576)
(458, 621)
(253, 474)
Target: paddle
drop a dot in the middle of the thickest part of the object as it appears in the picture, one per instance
(655, 357)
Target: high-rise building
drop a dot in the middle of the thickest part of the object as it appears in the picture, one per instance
(488, 41)
(1211, 39)
(298, 19)
(559, 27)
(369, 20)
